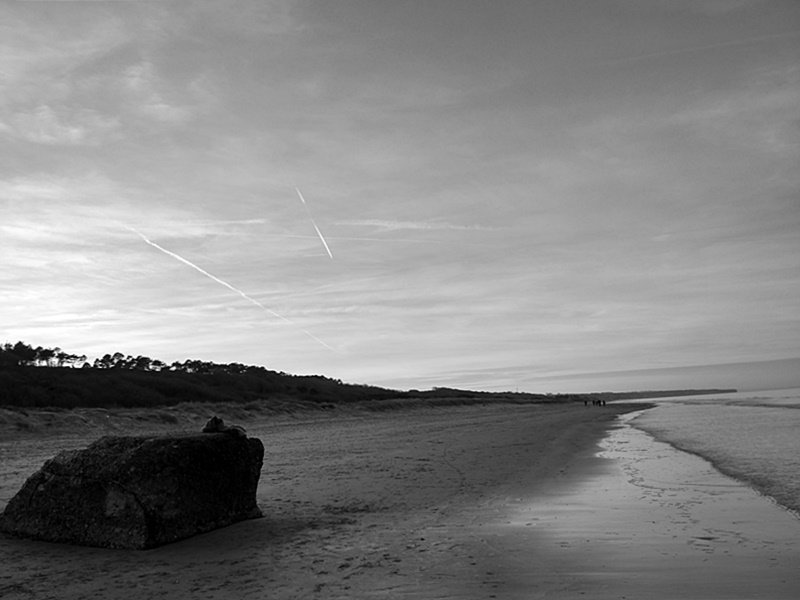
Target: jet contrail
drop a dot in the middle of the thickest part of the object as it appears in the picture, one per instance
(224, 283)
(319, 233)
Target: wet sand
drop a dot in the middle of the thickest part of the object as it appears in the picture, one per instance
(457, 502)
(656, 522)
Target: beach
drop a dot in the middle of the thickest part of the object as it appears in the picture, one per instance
(483, 501)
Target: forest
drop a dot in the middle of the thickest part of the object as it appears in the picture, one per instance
(50, 377)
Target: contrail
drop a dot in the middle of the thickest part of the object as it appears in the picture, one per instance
(224, 283)
(319, 233)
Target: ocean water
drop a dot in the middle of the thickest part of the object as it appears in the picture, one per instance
(753, 437)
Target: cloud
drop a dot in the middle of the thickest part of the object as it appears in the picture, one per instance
(243, 18)
(551, 204)
(746, 41)
(73, 1)
(748, 122)
(65, 251)
(87, 76)
(61, 127)
(87, 209)
(412, 225)
(39, 54)
(760, 113)
(706, 7)
(146, 95)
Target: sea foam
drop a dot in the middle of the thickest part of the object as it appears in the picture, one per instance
(751, 436)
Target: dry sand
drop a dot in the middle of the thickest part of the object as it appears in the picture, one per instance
(457, 502)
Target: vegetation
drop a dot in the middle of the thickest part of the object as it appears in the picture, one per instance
(38, 377)
(50, 377)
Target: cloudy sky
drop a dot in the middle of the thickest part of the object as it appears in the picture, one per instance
(513, 193)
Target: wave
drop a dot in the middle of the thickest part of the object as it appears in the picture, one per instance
(752, 441)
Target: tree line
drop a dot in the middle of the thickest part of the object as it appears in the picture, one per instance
(37, 376)
(21, 354)
(50, 377)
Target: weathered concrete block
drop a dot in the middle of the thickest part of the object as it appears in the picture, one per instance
(139, 492)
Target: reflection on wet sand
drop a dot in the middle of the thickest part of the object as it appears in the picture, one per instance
(659, 523)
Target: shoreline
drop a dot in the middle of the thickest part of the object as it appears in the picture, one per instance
(659, 522)
(768, 486)
(736, 476)
(462, 502)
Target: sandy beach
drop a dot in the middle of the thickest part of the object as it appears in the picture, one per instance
(480, 501)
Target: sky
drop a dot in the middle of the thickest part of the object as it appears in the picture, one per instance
(443, 193)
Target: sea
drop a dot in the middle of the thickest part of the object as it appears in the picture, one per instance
(753, 437)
